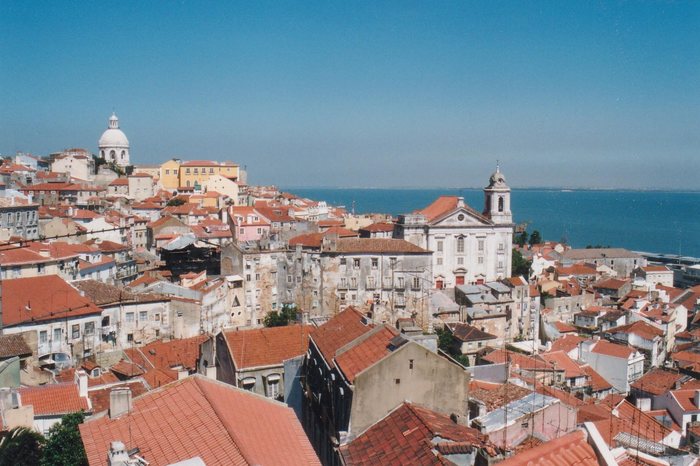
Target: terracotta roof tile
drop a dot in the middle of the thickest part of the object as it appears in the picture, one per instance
(366, 352)
(570, 450)
(13, 345)
(165, 355)
(408, 435)
(465, 332)
(53, 400)
(566, 343)
(201, 417)
(338, 331)
(377, 245)
(267, 346)
(50, 298)
(613, 349)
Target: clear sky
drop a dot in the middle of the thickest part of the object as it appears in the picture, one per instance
(564, 93)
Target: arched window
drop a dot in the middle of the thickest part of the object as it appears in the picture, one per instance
(112, 155)
(123, 154)
(188, 183)
(500, 204)
(103, 154)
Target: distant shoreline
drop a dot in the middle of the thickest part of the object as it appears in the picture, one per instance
(532, 188)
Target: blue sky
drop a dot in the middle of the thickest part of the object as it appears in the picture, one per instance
(596, 94)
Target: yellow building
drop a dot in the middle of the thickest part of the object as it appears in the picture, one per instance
(169, 174)
(175, 173)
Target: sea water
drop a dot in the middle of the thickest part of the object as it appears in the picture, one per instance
(651, 221)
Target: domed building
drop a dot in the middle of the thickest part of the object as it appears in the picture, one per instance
(113, 145)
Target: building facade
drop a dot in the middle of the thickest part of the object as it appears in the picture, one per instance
(467, 246)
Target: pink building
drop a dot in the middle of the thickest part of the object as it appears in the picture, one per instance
(247, 224)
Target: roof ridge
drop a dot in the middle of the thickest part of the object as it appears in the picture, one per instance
(359, 339)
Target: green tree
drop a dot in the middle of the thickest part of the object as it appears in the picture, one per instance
(446, 343)
(520, 265)
(521, 239)
(176, 201)
(21, 447)
(63, 444)
(535, 238)
(287, 314)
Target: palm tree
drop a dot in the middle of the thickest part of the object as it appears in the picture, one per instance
(21, 447)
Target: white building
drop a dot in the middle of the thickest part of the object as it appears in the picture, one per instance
(468, 247)
(113, 145)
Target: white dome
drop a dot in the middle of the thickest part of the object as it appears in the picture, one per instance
(113, 138)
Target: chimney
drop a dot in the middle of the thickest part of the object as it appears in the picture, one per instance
(460, 201)
(44, 251)
(696, 398)
(119, 402)
(82, 377)
(117, 455)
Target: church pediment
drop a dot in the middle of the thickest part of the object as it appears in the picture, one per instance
(461, 216)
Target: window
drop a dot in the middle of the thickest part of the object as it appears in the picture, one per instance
(480, 260)
(257, 276)
(129, 337)
(211, 171)
(401, 282)
(75, 331)
(143, 316)
(129, 316)
(375, 262)
(187, 171)
(167, 171)
(260, 231)
(343, 261)
(460, 244)
(353, 282)
(356, 263)
(57, 334)
(500, 204)
(392, 262)
(342, 297)
(501, 246)
(196, 170)
(439, 246)
(343, 282)
(410, 363)
(460, 261)
(273, 386)
(248, 383)
(43, 337)
(40, 268)
(439, 261)
(89, 328)
(416, 283)
(242, 231)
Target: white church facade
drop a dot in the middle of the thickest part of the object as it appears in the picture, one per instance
(468, 247)
(113, 145)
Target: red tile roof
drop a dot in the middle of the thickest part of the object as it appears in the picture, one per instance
(597, 382)
(377, 245)
(99, 397)
(42, 298)
(570, 450)
(267, 346)
(339, 331)
(413, 435)
(440, 207)
(657, 381)
(639, 328)
(613, 349)
(366, 352)
(202, 417)
(561, 361)
(379, 227)
(165, 355)
(54, 400)
(563, 327)
(686, 399)
(566, 343)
